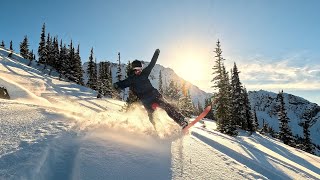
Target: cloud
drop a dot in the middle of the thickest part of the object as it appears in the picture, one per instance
(281, 74)
(296, 74)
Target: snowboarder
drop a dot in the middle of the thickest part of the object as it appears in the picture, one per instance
(149, 96)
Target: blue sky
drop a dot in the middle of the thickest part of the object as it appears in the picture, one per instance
(274, 43)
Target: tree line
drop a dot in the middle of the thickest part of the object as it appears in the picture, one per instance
(232, 110)
(66, 61)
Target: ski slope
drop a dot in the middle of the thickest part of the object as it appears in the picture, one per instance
(52, 129)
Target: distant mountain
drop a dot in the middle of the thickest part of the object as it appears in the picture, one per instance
(167, 75)
(264, 103)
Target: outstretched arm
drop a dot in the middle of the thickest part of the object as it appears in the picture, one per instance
(122, 84)
(154, 59)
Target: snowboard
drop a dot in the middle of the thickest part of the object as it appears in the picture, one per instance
(202, 115)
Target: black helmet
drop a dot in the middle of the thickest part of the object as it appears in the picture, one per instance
(136, 63)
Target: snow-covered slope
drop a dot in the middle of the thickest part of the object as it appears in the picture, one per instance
(167, 75)
(265, 104)
(52, 129)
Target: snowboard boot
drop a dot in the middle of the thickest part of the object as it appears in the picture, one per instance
(184, 123)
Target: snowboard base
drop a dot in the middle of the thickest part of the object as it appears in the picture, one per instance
(201, 116)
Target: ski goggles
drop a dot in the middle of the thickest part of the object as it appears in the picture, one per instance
(137, 69)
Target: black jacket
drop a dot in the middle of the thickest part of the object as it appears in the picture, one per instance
(140, 84)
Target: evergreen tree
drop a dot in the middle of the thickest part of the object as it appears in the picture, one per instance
(160, 83)
(208, 102)
(271, 132)
(63, 60)
(285, 133)
(199, 108)
(31, 57)
(119, 75)
(217, 80)
(265, 126)
(11, 50)
(186, 105)
(42, 52)
(172, 92)
(119, 78)
(78, 67)
(56, 54)
(249, 121)
(255, 119)
(309, 118)
(49, 49)
(24, 48)
(91, 72)
(106, 79)
(2, 44)
(238, 108)
(110, 89)
(223, 96)
(231, 126)
(129, 70)
(307, 144)
(95, 74)
(71, 75)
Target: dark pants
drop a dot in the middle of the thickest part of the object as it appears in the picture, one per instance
(152, 103)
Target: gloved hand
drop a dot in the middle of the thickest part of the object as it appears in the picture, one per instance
(116, 87)
(158, 51)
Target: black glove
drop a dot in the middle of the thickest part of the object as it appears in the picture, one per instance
(116, 87)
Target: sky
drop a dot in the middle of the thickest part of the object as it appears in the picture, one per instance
(275, 44)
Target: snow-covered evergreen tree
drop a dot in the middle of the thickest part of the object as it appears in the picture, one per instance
(78, 73)
(11, 50)
(91, 70)
(185, 103)
(104, 80)
(24, 48)
(119, 74)
(56, 53)
(223, 96)
(225, 91)
(95, 73)
(208, 102)
(71, 62)
(237, 98)
(42, 52)
(309, 118)
(249, 121)
(307, 144)
(172, 92)
(255, 120)
(285, 133)
(199, 108)
(31, 57)
(49, 49)
(2, 44)
(265, 126)
(63, 59)
(217, 81)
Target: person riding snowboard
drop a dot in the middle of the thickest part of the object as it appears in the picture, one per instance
(148, 95)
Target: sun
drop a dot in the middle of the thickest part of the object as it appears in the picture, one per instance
(191, 60)
(192, 68)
